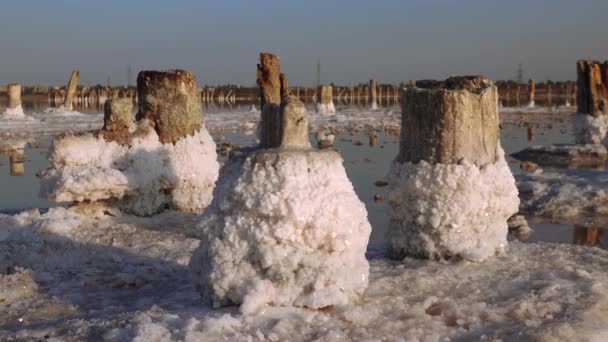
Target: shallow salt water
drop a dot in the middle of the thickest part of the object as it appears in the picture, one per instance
(364, 164)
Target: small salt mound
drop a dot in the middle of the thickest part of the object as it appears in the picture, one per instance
(285, 228)
(589, 129)
(442, 210)
(147, 174)
(326, 108)
(15, 114)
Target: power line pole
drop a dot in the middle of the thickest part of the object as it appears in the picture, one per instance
(319, 72)
(520, 74)
(128, 75)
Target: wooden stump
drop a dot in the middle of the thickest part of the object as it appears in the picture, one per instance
(118, 120)
(592, 84)
(269, 82)
(531, 92)
(170, 100)
(444, 122)
(372, 96)
(14, 95)
(71, 90)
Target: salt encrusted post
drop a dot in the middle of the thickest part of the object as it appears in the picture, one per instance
(531, 92)
(71, 90)
(325, 100)
(14, 95)
(451, 191)
(170, 100)
(118, 120)
(591, 121)
(269, 82)
(373, 102)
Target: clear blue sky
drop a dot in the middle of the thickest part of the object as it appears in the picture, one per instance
(390, 40)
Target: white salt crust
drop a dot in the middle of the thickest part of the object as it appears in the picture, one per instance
(326, 108)
(145, 176)
(442, 210)
(74, 276)
(286, 229)
(13, 113)
(589, 129)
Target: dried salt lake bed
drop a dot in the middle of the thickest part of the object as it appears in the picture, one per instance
(77, 276)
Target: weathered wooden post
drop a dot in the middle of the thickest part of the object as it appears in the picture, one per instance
(373, 102)
(517, 92)
(591, 121)
(549, 94)
(71, 90)
(531, 92)
(269, 82)
(171, 102)
(451, 190)
(118, 121)
(325, 103)
(14, 96)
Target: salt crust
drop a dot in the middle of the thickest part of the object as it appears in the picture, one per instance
(570, 195)
(589, 129)
(326, 108)
(442, 210)
(13, 113)
(285, 228)
(120, 278)
(146, 175)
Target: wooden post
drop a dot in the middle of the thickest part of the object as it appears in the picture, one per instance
(14, 95)
(71, 90)
(592, 98)
(373, 102)
(444, 122)
(449, 135)
(269, 82)
(118, 120)
(531, 92)
(170, 100)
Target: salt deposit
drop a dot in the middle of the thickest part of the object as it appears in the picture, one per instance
(566, 195)
(147, 174)
(590, 129)
(13, 113)
(326, 108)
(442, 210)
(277, 235)
(72, 276)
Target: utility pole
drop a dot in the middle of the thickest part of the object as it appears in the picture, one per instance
(319, 72)
(128, 75)
(520, 74)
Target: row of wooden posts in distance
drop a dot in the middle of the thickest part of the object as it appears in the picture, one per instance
(511, 93)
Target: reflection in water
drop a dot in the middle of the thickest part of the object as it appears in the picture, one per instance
(589, 235)
(17, 160)
(16, 155)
